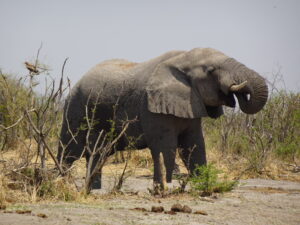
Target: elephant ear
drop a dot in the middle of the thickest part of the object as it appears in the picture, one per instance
(169, 91)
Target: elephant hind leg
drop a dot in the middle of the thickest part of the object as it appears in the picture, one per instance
(95, 182)
(94, 166)
(69, 152)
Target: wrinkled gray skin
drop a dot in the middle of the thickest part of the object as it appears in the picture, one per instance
(169, 95)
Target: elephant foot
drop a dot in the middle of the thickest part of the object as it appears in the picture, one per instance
(159, 189)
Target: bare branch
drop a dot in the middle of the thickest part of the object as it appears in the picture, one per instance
(38, 53)
(53, 156)
(16, 123)
(13, 125)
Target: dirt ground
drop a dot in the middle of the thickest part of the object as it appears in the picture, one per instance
(254, 201)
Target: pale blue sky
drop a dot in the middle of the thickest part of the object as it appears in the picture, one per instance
(263, 34)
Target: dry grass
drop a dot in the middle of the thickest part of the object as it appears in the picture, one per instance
(238, 168)
(14, 190)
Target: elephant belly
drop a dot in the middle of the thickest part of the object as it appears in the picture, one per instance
(134, 138)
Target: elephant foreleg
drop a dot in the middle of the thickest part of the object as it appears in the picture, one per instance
(164, 162)
(192, 150)
(169, 161)
(161, 138)
(159, 170)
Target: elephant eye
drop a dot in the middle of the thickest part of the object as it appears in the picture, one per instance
(208, 69)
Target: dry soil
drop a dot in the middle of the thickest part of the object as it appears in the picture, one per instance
(254, 201)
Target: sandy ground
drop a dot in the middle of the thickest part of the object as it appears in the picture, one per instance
(254, 201)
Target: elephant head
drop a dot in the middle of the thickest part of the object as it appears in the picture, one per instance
(197, 83)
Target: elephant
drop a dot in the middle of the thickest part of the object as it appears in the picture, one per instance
(168, 96)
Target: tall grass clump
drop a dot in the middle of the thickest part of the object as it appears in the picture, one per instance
(13, 98)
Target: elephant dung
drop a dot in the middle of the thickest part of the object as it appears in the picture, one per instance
(201, 212)
(157, 209)
(179, 208)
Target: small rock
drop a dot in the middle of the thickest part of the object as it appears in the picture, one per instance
(2, 207)
(186, 209)
(215, 196)
(176, 208)
(7, 211)
(200, 212)
(23, 211)
(42, 215)
(206, 199)
(14, 186)
(140, 209)
(170, 212)
(157, 209)
(205, 194)
(68, 219)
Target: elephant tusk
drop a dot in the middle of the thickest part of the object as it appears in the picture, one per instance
(237, 87)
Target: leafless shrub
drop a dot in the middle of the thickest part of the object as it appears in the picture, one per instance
(43, 116)
(32, 121)
(103, 146)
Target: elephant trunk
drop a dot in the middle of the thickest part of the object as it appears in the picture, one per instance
(253, 94)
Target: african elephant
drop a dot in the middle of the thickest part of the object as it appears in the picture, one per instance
(168, 95)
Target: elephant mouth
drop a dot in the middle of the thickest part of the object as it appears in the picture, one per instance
(230, 100)
(244, 96)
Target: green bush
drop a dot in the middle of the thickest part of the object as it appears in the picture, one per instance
(205, 181)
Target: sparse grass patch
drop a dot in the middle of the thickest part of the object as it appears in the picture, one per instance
(31, 185)
(58, 189)
(2, 191)
(142, 159)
